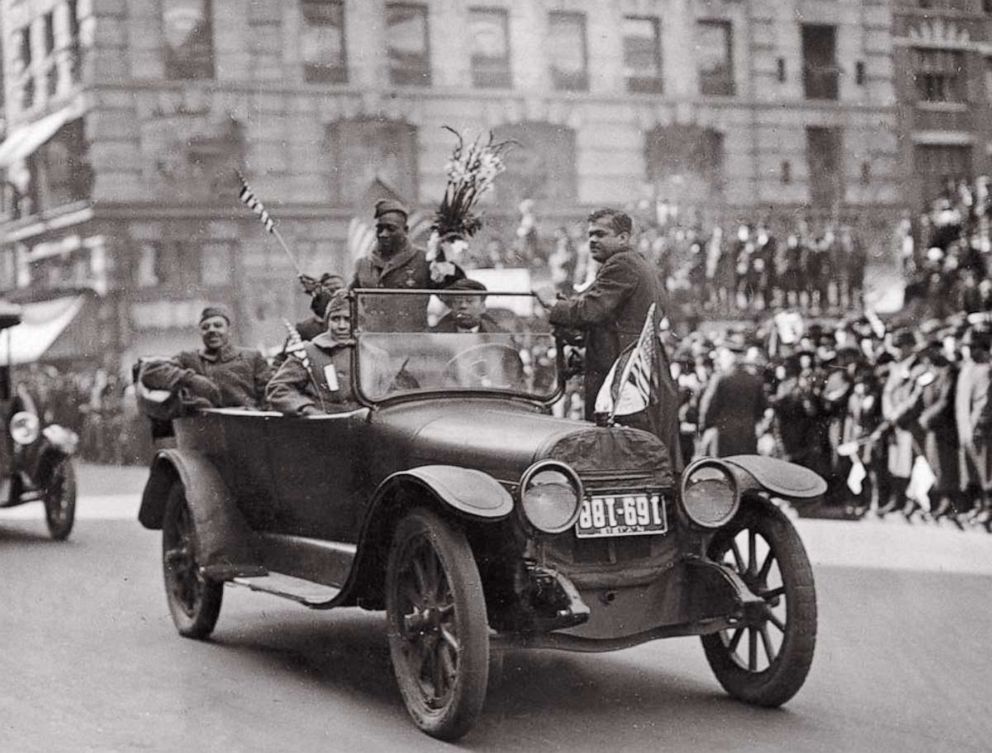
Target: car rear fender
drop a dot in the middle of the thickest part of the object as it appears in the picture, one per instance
(758, 473)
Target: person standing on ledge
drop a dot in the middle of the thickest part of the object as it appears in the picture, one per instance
(611, 313)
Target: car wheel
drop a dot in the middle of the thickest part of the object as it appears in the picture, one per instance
(194, 601)
(60, 500)
(437, 625)
(766, 661)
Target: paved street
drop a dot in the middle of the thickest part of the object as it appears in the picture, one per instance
(90, 661)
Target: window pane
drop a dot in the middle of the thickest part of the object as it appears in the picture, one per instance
(188, 38)
(322, 41)
(488, 28)
(215, 264)
(713, 53)
(642, 54)
(566, 46)
(406, 39)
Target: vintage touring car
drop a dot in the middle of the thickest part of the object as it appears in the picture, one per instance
(451, 497)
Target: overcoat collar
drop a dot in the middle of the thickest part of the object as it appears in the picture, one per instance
(400, 258)
(227, 353)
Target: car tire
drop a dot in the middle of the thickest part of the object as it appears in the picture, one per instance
(764, 549)
(194, 600)
(60, 500)
(437, 625)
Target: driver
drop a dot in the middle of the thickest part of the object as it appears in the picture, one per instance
(467, 313)
(316, 379)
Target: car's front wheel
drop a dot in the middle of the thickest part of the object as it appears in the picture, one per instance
(437, 625)
(194, 601)
(60, 500)
(766, 661)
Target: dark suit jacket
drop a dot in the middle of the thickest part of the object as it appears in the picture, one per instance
(732, 404)
(612, 312)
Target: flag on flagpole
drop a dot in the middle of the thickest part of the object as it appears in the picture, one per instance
(249, 200)
(632, 380)
(295, 346)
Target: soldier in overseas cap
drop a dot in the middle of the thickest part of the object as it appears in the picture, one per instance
(219, 375)
(397, 264)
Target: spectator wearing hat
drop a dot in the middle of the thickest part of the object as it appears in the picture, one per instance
(320, 292)
(971, 414)
(467, 313)
(732, 405)
(395, 263)
(898, 399)
(611, 312)
(317, 378)
(219, 375)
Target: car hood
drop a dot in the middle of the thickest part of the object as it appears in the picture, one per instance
(503, 438)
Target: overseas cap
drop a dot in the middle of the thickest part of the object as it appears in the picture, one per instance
(382, 206)
(212, 311)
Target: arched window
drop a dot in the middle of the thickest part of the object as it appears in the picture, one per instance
(369, 151)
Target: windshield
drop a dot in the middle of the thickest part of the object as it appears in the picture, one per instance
(418, 342)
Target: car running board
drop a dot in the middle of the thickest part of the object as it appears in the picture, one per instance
(305, 592)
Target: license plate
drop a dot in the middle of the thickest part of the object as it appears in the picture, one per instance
(621, 515)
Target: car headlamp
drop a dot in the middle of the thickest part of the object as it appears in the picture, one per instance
(710, 496)
(24, 427)
(550, 494)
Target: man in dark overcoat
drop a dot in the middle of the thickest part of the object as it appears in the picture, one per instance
(611, 313)
(733, 404)
(974, 422)
(396, 263)
(219, 375)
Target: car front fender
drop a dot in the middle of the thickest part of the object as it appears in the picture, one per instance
(468, 491)
(781, 478)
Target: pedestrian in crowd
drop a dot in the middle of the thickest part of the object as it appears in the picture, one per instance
(732, 405)
(612, 313)
(320, 292)
(898, 400)
(972, 414)
(216, 376)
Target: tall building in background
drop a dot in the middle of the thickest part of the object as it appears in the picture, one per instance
(126, 122)
(942, 51)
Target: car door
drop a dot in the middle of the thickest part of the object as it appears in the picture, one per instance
(318, 474)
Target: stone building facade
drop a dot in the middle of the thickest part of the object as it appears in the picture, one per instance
(942, 50)
(126, 121)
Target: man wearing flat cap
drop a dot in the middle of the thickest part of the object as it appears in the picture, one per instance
(395, 263)
(219, 375)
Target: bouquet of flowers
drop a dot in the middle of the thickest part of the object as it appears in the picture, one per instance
(471, 171)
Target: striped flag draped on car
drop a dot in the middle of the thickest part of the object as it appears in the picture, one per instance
(632, 380)
(249, 200)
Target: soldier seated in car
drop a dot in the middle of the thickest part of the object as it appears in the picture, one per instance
(219, 375)
(467, 313)
(316, 377)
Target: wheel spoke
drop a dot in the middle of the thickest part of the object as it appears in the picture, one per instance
(437, 672)
(752, 649)
(766, 642)
(420, 575)
(448, 664)
(766, 566)
(735, 640)
(450, 639)
(774, 619)
(773, 593)
(752, 554)
(737, 556)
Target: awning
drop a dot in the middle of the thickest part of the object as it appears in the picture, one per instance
(25, 140)
(41, 324)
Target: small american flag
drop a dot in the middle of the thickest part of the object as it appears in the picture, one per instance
(632, 381)
(249, 200)
(295, 346)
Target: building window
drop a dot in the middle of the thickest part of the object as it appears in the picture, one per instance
(370, 157)
(169, 264)
(542, 167)
(567, 53)
(52, 70)
(820, 71)
(780, 74)
(322, 41)
(937, 164)
(859, 73)
(407, 45)
(866, 173)
(189, 44)
(489, 29)
(824, 151)
(642, 54)
(938, 75)
(49, 33)
(685, 161)
(61, 168)
(786, 172)
(714, 49)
